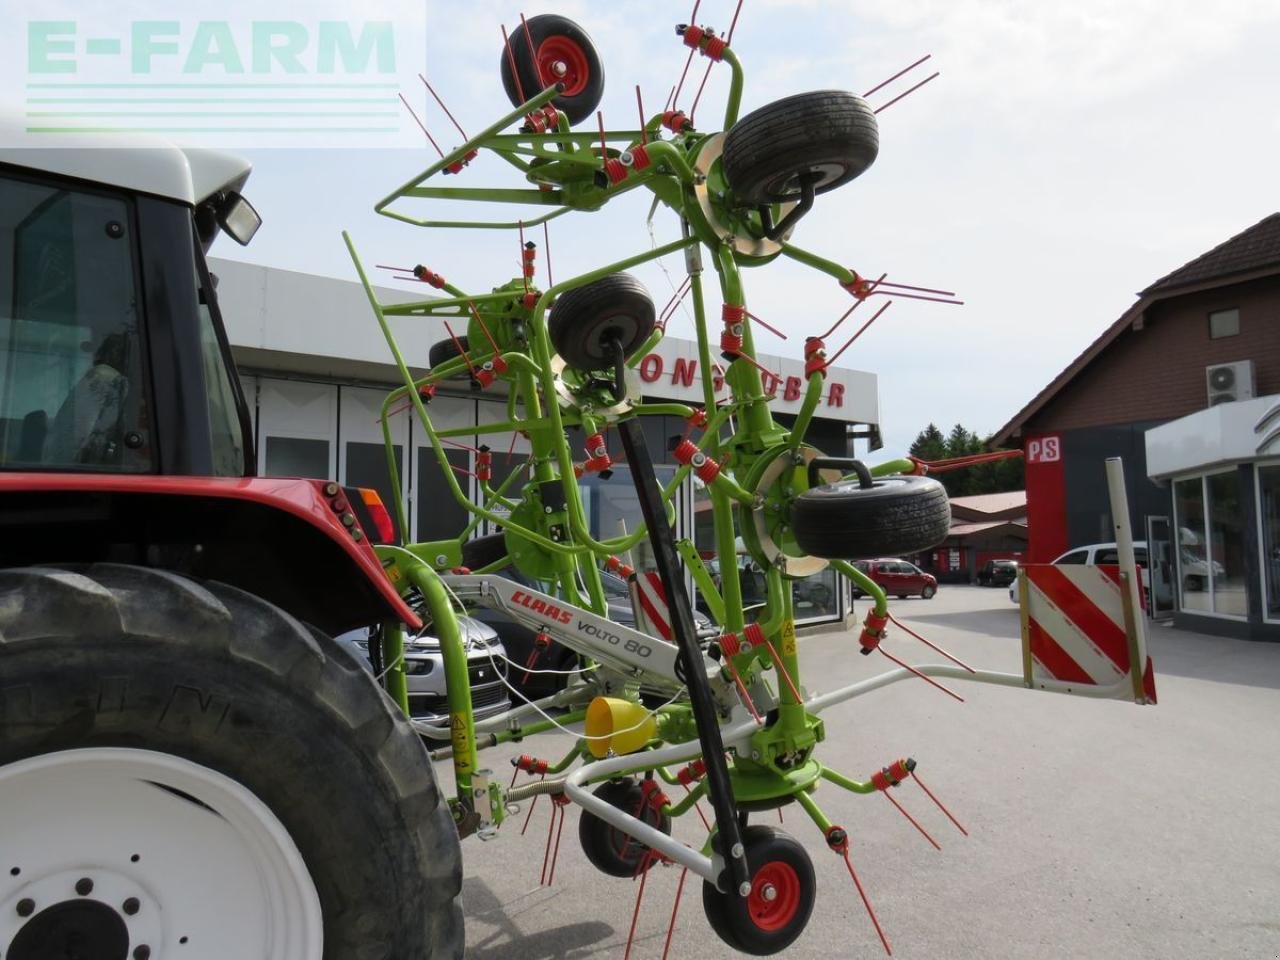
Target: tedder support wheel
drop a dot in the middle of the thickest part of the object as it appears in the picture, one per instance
(480, 552)
(894, 516)
(586, 321)
(609, 849)
(186, 768)
(828, 136)
(562, 53)
(444, 350)
(783, 889)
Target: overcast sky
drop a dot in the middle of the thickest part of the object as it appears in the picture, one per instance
(1068, 155)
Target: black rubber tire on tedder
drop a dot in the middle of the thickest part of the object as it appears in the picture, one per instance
(610, 850)
(755, 924)
(555, 39)
(894, 516)
(828, 134)
(482, 551)
(586, 320)
(445, 350)
(122, 656)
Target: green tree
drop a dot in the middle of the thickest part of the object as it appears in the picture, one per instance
(998, 476)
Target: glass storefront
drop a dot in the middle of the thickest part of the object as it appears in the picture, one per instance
(1269, 521)
(1210, 520)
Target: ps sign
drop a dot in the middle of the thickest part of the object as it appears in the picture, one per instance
(1044, 450)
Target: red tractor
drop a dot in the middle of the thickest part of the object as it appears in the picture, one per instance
(189, 765)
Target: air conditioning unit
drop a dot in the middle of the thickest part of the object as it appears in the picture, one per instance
(1229, 382)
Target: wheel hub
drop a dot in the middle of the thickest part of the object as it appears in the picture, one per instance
(72, 930)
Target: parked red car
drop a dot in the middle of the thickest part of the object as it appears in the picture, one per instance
(898, 578)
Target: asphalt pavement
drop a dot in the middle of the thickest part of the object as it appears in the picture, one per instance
(1096, 829)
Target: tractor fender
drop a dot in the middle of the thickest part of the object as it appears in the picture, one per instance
(282, 539)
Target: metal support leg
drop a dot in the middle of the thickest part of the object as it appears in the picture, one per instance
(662, 537)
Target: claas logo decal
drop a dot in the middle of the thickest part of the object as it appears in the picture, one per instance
(549, 610)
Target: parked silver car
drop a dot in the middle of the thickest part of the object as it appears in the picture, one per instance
(424, 671)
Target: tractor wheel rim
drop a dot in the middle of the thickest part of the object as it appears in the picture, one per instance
(564, 61)
(774, 900)
(136, 848)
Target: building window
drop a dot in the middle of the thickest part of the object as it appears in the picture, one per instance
(1269, 515)
(1224, 323)
(296, 457)
(1210, 519)
(1193, 571)
(1226, 544)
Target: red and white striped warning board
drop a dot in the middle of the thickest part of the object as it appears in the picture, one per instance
(649, 600)
(1075, 632)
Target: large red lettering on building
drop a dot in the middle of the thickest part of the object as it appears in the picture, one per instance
(1046, 498)
(683, 372)
(651, 367)
(792, 390)
(835, 395)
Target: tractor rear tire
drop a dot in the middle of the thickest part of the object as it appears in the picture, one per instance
(585, 320)
(895, 516)
(109, 661)
(828, 134)
(554, 39)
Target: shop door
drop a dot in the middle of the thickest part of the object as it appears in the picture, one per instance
(1160, 567)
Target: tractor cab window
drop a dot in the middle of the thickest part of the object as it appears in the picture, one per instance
(225, 429)
(72, 392)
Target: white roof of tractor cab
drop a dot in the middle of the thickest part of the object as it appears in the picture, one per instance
(132, 161)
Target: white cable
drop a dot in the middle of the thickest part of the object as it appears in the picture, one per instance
(653, 245)
(546, 716)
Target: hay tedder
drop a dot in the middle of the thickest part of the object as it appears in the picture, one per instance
(191, 767)
(732, 720)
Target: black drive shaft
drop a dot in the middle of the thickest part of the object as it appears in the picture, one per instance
(662, 537)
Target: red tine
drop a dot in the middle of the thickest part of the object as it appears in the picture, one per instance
(902, 810)
(640, 108)
(844, 316)
(866, 903)
(742, 688)
(431, 90)
(521, 260)
(423, 128)
(698, 807)
(604, 146)
(772, 329)
(555, 854)
(546, 248)
(458, 343)
(533, 55)
(929, 793)
(635, 914)
(733, 25)
(667, 104)
(909, 90)
(487, 335)
(862, 329)
(928, 680)
(755, 363)
(460, 446)
(546, 854)
(906, 286)
(782, 671)
(383, 266)
(702, 86)
(931, 646)
(885, 83)
(671, 928)
(511, 60)
(528, 816)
